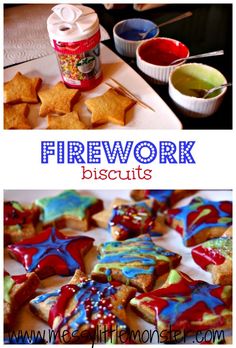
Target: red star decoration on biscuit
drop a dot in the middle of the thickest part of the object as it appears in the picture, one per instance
(51, 252)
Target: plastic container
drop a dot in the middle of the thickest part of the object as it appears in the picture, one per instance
(74, 34)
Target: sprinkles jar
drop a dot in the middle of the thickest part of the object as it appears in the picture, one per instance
(75, 36)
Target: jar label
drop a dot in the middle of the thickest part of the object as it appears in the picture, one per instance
(77, 46)
(79, 61)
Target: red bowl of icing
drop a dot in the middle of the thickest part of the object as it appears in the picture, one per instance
(154, 57)
(162, 51)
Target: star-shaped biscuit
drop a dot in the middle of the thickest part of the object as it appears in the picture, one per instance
(19, 222)
(69, 209)
(57, 99)
(51, 252)
(215, 256)
(165, 198)
(83, 308)
(67, 121)
(135, 261)
(109, 107)
(185, 304)
(22, 89)
(125, 219)
(15, 116)
(17, 290)
(200, 220)
(102, 218)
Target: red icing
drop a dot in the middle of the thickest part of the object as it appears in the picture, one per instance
(13, 216)
(52, 250)
(162, 301)
(128, 218)
(89, 312)
(18, 279)
(115, 283)
(161, 51)
(58, 309)
(207, 256)
(211, 217)
(226, 207)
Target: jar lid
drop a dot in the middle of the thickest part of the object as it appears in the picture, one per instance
(69, 23)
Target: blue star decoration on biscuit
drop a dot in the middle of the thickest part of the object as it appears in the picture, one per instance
(51, 252)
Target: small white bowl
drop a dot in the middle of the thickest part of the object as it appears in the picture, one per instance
(127, 47)
(155, 55)
(196, 76)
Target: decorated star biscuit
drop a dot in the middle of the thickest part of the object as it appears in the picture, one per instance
(67, 121)
(185, 304)
(201, 220)
(22, 89)
(69, 209)
(57, 99)
(51, 252)
(109, 107)
(102, 218)
(84, 307)
(165, 198)
(135, 261)
(125, 219)
(17, 290)
(132, 220)
(19, 222)
(16, 116)
(215, 256)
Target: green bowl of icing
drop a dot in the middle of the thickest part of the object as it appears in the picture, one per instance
(197, 76)
(187, 77)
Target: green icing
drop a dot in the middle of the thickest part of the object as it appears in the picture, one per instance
(226, 293)
(223, 244)
(67, 203)
(174, 277)
(114, 265)
(17, 206)
(197, 76)
(8, 284)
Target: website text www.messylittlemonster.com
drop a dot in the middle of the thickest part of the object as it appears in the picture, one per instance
(116, 335)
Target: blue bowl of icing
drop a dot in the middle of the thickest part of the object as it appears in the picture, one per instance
(126, 35)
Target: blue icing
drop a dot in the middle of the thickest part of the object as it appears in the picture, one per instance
(120, 211)
(160, 195)
(134, 272)
(144, 252)
(69, 202)
(53, 246)
(124, 258)
(42, 298)
(191, 230)
(200, 294)
(88, 293)
(108, 272)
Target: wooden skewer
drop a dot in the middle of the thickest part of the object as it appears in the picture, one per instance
(121, 91)
(130, 95)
